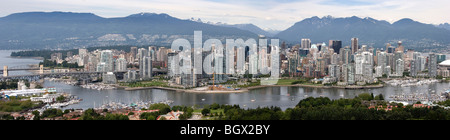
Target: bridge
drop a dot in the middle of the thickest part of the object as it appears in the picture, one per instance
(5, 71)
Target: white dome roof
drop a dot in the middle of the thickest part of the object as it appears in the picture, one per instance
(445, 63)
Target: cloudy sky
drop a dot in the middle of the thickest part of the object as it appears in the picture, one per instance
(267, 14)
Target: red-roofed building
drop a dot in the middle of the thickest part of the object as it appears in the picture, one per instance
(420, 106)
(171, 115)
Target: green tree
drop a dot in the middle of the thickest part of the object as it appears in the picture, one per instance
(215, 106)
(60, 98)
(206, 111)
(36, 115)
(379, 97)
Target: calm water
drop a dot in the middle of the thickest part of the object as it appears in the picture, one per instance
(284, 97)
(5, 59)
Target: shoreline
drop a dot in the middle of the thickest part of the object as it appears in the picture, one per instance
(183, 90)
(24, 57)
(321, 86)
(249, 88)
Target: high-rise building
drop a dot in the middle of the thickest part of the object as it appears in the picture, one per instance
(379, 71)
(398, 55)
(152, 52)
(334, 71)
(335, 59)
(82, 53)
(142, 52)
(347, 55)
(146, 68)
(423, 61)
(303, 52)
(400, 47)
(263, 61)
(354, 45)
(351, 74)
(293, 64)
(336, 45)
(400, 65)
(106, 61)
(171, 64)
(121, 64)
(387, 47)
(441, 58)
(432, 65)
(306, 43)
(390, 49)
(363, 48)
(415, 67)
(344, 73)
(382, 59)
(134, 52)
(161, 54)
(359, 59)
(91, 62)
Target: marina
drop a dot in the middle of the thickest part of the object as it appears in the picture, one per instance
(137, 106)
(98, 86)
(411, 82)
(422, 97)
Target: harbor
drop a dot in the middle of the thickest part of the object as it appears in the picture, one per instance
(98, 86)
(422, 97)
(411, 82)
(136, 106)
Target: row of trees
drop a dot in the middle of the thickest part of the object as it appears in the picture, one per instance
(8, 85)
(91, 114)
(64, 64)
(342, 109)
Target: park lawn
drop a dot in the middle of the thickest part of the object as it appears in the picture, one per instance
(286, 81)
(217, 111)
(198, 110)
(146, 84)
(15, 105)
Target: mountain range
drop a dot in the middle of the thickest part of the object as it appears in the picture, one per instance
(37, 30)
(445, 26)
(252, 28)
(369, 31)
(64, 30)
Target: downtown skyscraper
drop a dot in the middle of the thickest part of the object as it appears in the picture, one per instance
(354, 45)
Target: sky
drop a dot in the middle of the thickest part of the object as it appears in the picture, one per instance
(267, 14)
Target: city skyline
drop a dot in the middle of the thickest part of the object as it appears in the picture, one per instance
(267, 14)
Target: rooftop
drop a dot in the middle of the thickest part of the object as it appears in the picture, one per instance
(445, 63)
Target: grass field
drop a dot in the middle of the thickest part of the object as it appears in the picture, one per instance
(286, 81)
(145, 84)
